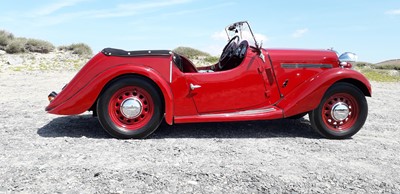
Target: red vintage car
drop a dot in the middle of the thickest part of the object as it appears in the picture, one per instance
(132, 92)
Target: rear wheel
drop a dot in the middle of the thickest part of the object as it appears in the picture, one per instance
(130, 107)
(341, 113)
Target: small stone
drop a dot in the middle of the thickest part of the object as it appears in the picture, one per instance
(192, 182)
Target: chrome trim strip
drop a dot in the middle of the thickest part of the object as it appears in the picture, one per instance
(304, 65)
(246, 112)
(170, 72)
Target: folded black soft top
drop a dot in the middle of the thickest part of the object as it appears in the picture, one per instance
(123, 53)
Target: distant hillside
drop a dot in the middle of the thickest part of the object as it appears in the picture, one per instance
(393, 64)
(199, 58)
(190, 52)
(386, 71)
(390, 62)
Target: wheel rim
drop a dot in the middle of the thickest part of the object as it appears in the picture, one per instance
(340, 112)
(131, 107)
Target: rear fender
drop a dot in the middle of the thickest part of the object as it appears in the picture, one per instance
(86, 96)
(307, 96)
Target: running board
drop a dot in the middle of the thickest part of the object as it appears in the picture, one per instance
(265, 113)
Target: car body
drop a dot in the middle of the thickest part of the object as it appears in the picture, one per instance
(131, 92)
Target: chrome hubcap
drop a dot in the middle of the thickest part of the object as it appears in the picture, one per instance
(131, 108)
(340, 111)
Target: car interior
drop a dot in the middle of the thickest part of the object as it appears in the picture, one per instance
(232, 56)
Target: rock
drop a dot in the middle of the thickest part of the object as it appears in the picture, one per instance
(394, 73)
(14, 60)
(2, 52)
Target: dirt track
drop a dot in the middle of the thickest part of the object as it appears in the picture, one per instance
(42, 153)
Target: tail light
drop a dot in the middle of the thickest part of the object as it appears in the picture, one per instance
(51, 96)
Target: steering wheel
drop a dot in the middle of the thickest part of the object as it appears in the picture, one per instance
(241, 49)
(227, 52)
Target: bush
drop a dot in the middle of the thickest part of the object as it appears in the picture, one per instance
(379, 75)
(361, 64)
(388, 66)
(39, 46)
(5, 39)
(16, 46)
(190, 52)
(79, 49)
(211, 59)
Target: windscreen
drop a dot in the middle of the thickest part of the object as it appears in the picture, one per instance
(243, 30)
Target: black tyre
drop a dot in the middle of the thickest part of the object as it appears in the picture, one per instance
(298, 116)
(341, 113)
(130, 107)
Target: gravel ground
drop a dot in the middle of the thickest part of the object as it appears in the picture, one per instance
(42, 153)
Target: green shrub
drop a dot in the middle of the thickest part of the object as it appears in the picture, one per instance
(5, 39)
(361, 64)
(79, 49)
(38, 46)
(211, 59)
(17, 45)
(190, 52)
(63, 48)
(379, 75)
(388, 66)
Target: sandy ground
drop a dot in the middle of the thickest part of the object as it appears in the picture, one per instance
(42, 153)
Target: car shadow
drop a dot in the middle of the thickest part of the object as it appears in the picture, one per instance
(88, 126)
(73, 126)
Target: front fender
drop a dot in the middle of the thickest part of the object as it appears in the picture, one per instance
(85, 96)
(308, 95)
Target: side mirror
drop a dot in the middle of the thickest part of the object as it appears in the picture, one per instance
(348, 57)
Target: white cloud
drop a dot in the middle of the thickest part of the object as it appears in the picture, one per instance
(147, 5)
(261, 38)
(221, 35)
(213, 49)
(192, 11)
(120, 10)
(299, 33)
(56, 19)
(51, 8)
(393, 12)
(124, 10)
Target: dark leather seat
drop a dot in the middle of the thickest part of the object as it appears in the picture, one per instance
(178, 61)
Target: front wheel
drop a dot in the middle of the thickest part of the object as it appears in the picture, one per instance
(130, 107)
(341, 113)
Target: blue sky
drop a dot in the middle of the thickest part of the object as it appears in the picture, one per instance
(370, 28)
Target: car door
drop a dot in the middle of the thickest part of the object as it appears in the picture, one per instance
(240, 88)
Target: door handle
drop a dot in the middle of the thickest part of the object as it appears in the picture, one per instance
(192, 86)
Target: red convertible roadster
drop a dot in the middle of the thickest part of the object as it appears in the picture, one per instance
(132, 92)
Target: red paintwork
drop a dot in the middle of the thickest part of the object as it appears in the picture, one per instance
(82, 92)
(255, 90)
